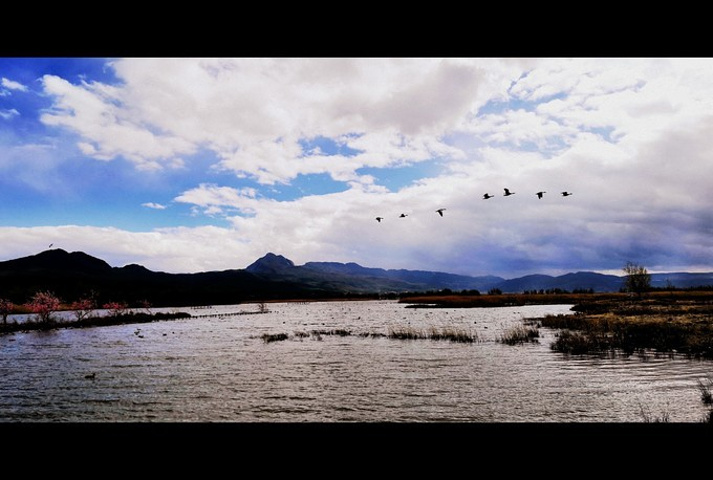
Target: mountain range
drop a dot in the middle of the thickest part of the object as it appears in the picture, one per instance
(273, 277)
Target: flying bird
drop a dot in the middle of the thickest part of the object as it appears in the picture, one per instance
(566, 194)
(508, 192)
(440, 211)
(50, 245)
(403, 215)
(379, 219)
(487, 196)
(539, 194)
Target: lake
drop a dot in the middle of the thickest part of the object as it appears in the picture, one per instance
(334, 363)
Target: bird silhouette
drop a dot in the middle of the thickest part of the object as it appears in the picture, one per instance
(487, 196)
(540, 194)
(50, 245)
(508, 192)
(566, 194)
(440, 211)
(379, 219)
(403, 215)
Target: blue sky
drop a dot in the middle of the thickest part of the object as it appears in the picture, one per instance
(200, 164)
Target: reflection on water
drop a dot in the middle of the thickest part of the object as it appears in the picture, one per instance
(216, 367)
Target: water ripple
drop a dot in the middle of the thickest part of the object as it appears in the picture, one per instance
(218, 369)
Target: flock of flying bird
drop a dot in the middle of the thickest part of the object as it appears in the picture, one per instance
(485, 197)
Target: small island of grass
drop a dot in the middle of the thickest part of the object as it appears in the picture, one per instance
(90, 321)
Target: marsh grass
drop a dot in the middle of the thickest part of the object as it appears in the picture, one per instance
(301, 335)
(520, 334)
(274, 337)
(688, 332)
(453, 334)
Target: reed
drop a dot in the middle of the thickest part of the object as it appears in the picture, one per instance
(453, 334)
(520, 334)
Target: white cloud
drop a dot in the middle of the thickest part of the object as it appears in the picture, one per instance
(252, 112)
(156, 206)
(212, 197)
(7, 114)
(109, 129)
(12, 85)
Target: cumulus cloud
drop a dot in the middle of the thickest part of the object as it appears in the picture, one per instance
(254, 112)
(212, 197)
(109, 128)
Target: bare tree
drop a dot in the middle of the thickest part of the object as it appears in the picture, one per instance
(637, 280)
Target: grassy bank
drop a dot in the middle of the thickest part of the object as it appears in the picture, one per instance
(94, 321)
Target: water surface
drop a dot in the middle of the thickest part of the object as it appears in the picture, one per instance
(216, 367)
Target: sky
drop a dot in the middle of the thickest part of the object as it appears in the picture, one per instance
(185, 164)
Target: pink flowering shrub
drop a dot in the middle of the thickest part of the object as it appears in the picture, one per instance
(44, 304)
(116, 308)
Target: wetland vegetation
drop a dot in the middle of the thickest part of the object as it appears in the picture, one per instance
(663, 322)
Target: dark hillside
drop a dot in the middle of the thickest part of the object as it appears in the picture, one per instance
(76, 275)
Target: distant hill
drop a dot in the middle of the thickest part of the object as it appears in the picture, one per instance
(345, 278)
(75, 275)
(411, 279)
(681, 280)
(352, 277)
(273, 277)
(596, 282)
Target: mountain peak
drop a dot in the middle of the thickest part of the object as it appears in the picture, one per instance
(270, 263)
(59, 259)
